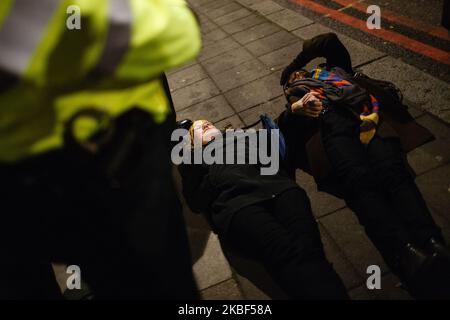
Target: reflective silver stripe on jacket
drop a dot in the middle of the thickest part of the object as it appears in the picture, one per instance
(21, 33)
(118, 37)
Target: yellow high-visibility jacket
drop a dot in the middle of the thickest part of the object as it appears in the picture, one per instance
(50, 69)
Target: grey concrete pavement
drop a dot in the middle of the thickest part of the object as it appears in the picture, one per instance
(235, 79)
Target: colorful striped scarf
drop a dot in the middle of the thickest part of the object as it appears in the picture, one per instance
(369, 116)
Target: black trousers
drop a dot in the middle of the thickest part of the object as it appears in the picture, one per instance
(115, 215)
(283, 236)
(377, 186)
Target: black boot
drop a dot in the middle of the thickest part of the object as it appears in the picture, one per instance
(411, 262)
(436, 247)
(425, 276)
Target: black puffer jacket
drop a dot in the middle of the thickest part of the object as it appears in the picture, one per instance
(221, 190)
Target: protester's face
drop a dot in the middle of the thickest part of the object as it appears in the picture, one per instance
(205, 131)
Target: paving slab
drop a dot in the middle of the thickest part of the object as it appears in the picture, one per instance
(214, 110)
(61, 276)
(445, 115)
(272, 42)
(240, 75)
(212, 268)
(211, 5)
(243, 24)
(254, 93)
(289, 20)
(256, 32)
(226, 61)
(231, 122)
(203, 19)
(322, 203)
(435, 186)
(266, 7)
(341, 264)
(414, 110)
(430, 93)
(227, 290)
(248, 3)
(230, 17)
(443, 222)
(280, 58)
(273, 108)
(181, 67)
(249, 290)
(216, 12)
(440, 129)
(215, 48)
(213, 36)
(186, 76)
(435, 153)
(345, 230)
(426, 157)
(206, 24)
(359, 52)
(208, 27)
(194, 93)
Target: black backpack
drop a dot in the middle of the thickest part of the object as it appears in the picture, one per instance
(388, 94)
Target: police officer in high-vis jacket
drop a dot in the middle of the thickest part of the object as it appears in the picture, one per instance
(85, 121)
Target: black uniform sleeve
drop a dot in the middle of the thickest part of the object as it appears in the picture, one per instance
(297, 130)
(325, 45)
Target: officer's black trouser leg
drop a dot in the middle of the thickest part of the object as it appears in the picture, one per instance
(124, 229)
(283, 235)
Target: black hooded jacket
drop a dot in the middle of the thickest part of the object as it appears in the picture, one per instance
(221, 190)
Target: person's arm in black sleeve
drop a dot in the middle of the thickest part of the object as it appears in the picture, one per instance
(325, 45)
(297, 130)
(197, 189)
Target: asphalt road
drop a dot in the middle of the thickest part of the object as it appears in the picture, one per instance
(425, 11)
(410, 31)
